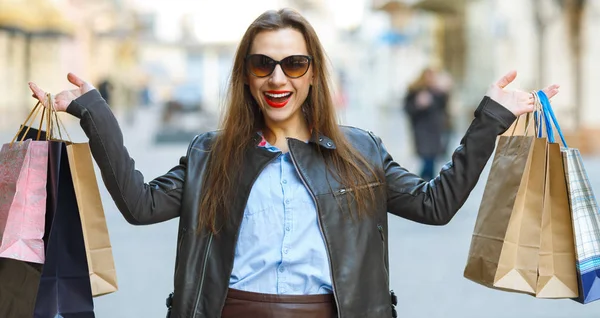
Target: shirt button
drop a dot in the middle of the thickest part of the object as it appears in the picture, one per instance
(285, 251)
(281, 269)
(284, 181)
(287, 228)
(287, 201)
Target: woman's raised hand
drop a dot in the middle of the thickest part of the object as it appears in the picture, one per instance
(64, 98)
(518, 102)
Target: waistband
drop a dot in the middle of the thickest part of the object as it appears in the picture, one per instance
(272, 298)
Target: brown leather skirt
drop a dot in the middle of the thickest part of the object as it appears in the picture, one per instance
(242, 304)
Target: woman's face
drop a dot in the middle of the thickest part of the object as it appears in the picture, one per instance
(280, 97)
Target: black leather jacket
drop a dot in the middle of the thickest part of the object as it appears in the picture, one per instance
(357, 248)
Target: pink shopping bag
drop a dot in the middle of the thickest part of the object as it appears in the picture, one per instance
(23, 174)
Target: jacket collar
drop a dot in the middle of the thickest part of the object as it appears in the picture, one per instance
(322, 140)
(318, 139)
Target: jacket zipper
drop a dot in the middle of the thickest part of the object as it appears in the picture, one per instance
(387, 278)
(348, 190)
(337, 304)
(203, 274)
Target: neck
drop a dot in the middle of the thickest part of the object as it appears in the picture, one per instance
(276, 134)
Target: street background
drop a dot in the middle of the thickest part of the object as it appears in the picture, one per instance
(165, 66)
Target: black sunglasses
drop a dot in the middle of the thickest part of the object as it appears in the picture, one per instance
(293, 66)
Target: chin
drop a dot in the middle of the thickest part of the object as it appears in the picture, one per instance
(277, 118)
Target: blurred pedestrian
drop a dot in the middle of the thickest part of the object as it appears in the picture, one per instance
(105, 88)
(283, 213)
(426, 104)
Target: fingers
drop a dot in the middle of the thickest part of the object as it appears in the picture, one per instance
(551, 90)
(530, 99)
(507, 79)
(37, 92)
(75, 80)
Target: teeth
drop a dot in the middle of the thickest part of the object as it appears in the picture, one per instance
(278, 95)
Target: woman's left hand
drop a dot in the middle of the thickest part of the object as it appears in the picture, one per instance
(518, 102)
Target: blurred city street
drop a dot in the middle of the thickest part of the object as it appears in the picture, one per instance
(173, 60)
(426, 262)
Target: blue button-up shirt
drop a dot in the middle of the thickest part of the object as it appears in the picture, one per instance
(280, 249)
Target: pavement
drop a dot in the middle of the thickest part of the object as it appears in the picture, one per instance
(426, 262)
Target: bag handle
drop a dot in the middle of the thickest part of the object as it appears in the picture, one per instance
(28, 122)
(528, 122)
(540, 119)
(59, 122)
(46, 118)
(549, 115)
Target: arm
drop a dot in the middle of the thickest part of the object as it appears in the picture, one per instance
(437, 201)
(139, 202)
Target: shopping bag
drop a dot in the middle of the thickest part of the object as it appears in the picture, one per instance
(19, 280)
(102, 272)
(506, 238)
(99, 254)
(61, 286)
(584, 215)
(557, 274)
(64, 288)
(23, 173)
(18, 287)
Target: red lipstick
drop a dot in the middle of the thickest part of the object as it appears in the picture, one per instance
(277, 99)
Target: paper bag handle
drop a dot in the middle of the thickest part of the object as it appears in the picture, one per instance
(46, 117)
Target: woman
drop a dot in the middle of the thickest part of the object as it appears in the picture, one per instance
(426, 106)
(283, 213)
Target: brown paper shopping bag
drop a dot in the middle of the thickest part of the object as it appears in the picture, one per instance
(557, 271)
(557, 262)
(101, 264)
(506, 239)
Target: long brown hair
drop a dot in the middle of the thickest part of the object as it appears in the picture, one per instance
(242, 119)
(421, 82)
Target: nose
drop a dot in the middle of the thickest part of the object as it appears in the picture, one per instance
(278, 78)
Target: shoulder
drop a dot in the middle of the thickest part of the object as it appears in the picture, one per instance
(360, 138)
(204, 141)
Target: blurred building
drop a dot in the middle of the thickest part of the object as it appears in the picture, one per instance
(548, 42)
(168, 47)
(376, 47)
(31, 34)
(42, 40)
(194, 46)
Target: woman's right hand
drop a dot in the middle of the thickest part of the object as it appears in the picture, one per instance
(64, 98)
